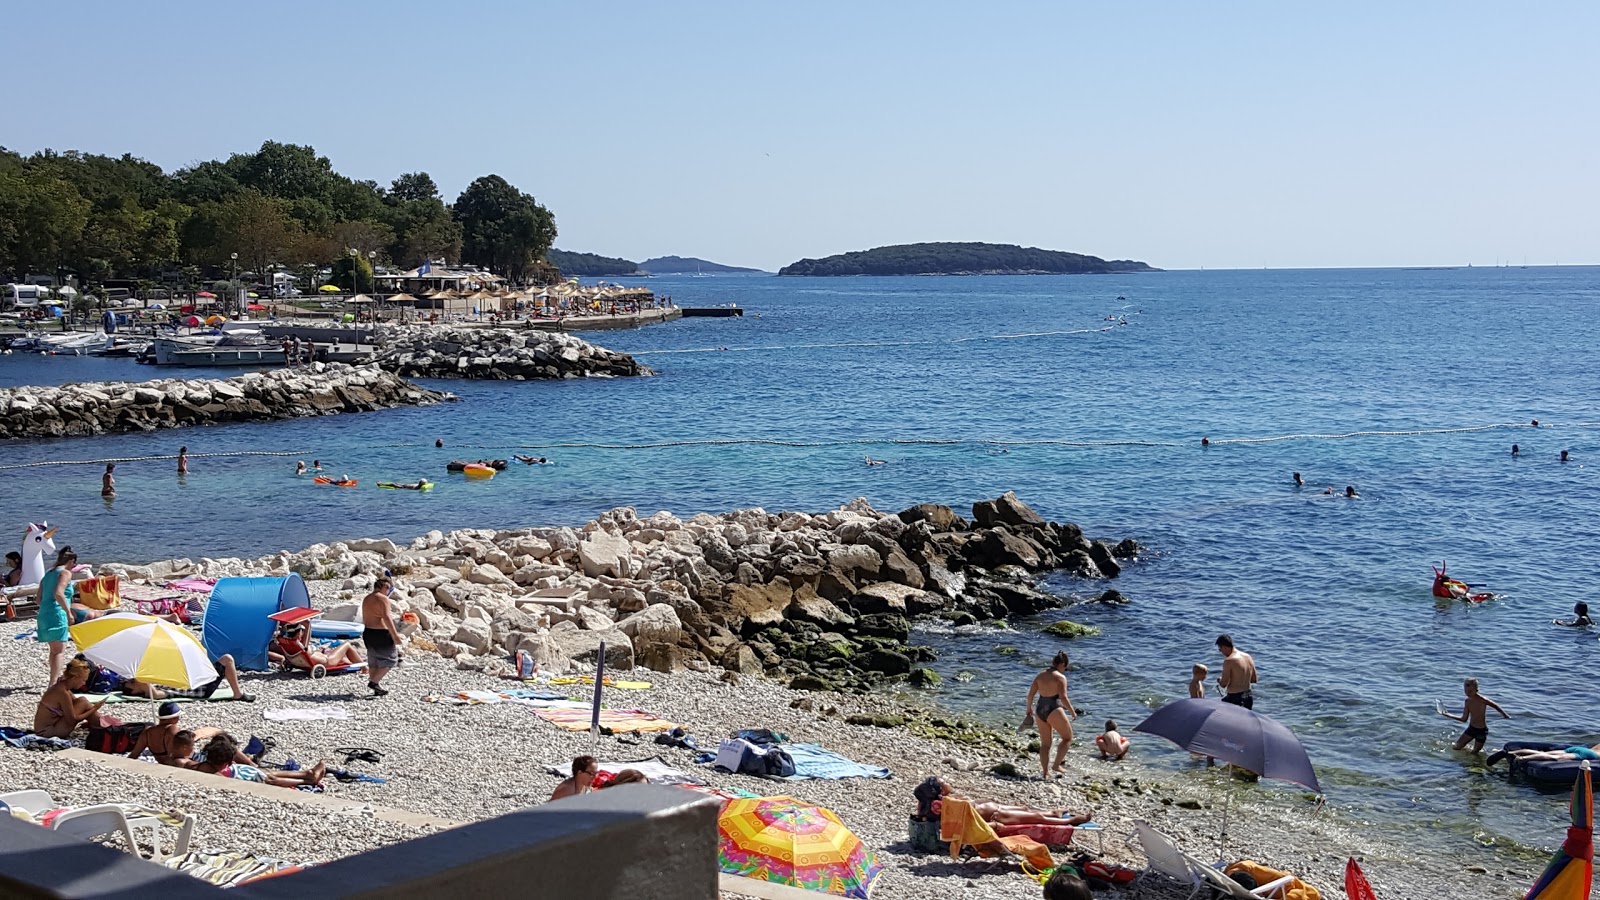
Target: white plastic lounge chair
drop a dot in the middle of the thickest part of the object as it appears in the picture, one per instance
(90, 822)
(1167, 858)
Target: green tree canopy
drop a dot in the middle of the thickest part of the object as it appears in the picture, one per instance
(503, 229)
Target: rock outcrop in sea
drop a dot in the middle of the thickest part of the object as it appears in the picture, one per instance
(823, 601)
(509, 354)
(116, 406)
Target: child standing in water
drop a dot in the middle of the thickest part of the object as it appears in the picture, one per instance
(1476, 714)
(1197, 681)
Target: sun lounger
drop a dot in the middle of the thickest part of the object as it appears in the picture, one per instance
(89, 822)
(1165, 857)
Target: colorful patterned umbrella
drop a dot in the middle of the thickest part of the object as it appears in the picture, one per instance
(1569, 873)
(152, 650)
(782, 840)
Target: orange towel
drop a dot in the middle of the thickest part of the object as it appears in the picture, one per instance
(960, 824)
(99, 593)
(1294, 890)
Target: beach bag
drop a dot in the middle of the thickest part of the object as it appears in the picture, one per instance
(104, 681)
(924, 836)
(739, 755)
(777, 763)
(115, 739)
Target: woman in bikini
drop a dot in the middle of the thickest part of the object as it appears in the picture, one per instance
(1051, 710)
(61, 710)
(293, 649)
(993, 811)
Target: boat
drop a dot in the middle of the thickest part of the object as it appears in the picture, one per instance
(121, 348)
(712, 312)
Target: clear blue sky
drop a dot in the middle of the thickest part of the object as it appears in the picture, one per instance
(1235, 134)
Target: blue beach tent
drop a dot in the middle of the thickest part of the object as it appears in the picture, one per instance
(236, 616)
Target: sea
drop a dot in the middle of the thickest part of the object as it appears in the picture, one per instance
(1089, 396)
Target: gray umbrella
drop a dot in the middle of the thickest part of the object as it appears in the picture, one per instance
(1236, 735)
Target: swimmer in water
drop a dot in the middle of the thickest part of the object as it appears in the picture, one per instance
(875, 462)
(1563, 456)
(1515, 451)
(1328, 490)
(1580, 617)
(1298, 481)
(438, 442)
(300, 467)
(1350, 492)
(1205, 442)
(316, 465)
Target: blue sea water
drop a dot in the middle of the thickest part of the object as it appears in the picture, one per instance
(1330, 595)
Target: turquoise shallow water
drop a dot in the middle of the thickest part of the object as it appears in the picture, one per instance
(1330, 595)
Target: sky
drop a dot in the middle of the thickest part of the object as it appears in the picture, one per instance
(1218, 135)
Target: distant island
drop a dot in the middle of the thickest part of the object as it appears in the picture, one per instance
(591, 264)
(680, 265)
(962, 259)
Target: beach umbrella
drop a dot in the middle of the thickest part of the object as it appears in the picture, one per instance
(216, 320)
(1571, 869)
(1234, 735)
(207, 295)
(192, 321)
(785, 841)
(144, 647)
(329, 289)
(255, 307)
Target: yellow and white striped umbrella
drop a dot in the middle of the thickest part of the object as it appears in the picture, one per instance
(149, 649)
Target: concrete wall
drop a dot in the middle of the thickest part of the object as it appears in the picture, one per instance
(644, 842)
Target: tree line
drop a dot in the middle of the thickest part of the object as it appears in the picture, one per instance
(102, 217)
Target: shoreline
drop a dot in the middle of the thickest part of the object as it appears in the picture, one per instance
(437, 757)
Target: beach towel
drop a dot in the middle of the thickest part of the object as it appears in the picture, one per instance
(312, 714)
(812, 761)
(960, 825)
(227, 869)
(27, 740)
(1294, 890)
(223, 692)
(1049, 835)
(589, 679)
(618, 720)
(194, 585)
(530, 694)
(653, 768)
(100, 592)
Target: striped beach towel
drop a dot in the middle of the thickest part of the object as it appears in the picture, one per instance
(619, 720)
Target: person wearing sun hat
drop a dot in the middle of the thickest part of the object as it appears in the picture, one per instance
(161, 738)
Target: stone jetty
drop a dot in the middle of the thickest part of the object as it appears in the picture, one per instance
(822, 601)
(117, 406)
(507, 354)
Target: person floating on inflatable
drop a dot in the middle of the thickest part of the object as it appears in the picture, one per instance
(1447, 588)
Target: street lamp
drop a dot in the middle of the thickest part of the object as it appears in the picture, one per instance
(233, 276)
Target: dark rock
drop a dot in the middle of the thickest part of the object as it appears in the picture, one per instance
(898, 568)
(995, 548)
(941, 518)
(1005, 510)
(811, 683)
(875, 721)
(1100, 552)
(888, 662)
(1127, 548)
(1078, 563)
(923, 676)
(1022, 599)
(887, 625)
(919, 652)
(1112, 597)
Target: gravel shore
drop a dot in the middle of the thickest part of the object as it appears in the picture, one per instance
(475, 762)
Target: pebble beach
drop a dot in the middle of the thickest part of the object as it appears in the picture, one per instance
(467, 763)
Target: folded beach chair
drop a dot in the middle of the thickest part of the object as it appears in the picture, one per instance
(1165, 857)
(90, 822)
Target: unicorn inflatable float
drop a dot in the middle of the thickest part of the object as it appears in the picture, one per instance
(38, 542)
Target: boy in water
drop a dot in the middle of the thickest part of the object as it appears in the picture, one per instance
(1475, 712)
(1197, 681)
(1111, 744)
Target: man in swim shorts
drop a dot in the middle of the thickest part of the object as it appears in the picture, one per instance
(379, 634)
(1238, 674)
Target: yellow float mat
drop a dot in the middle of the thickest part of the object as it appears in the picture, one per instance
(589, 679)
(618, 720)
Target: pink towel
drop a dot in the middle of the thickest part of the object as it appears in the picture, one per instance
(1049, 835)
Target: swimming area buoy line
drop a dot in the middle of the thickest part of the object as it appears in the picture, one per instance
(851, 442)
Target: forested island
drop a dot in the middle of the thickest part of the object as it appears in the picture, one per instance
(591, 264)
(961, 259)
(681, 265)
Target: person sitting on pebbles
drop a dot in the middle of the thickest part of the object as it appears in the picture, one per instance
(221, 755)
(161, 739)
(61, 710)
(1112, 744)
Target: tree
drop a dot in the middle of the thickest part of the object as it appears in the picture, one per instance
(360, 281)
(363, 236)
(252, 225)
(503, 229)
(423, 227)
(413, 187)
(44, 222)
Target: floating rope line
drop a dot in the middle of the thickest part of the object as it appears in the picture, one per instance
(846, 442)
(845, 344)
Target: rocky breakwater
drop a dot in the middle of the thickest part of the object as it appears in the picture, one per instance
(822, 601)
(113, 406)
(507, 354)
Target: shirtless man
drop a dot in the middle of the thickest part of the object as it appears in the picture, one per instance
(379, 634)
(1238, 674)
(1475, 712)
(584, 769)
(1051, 710)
